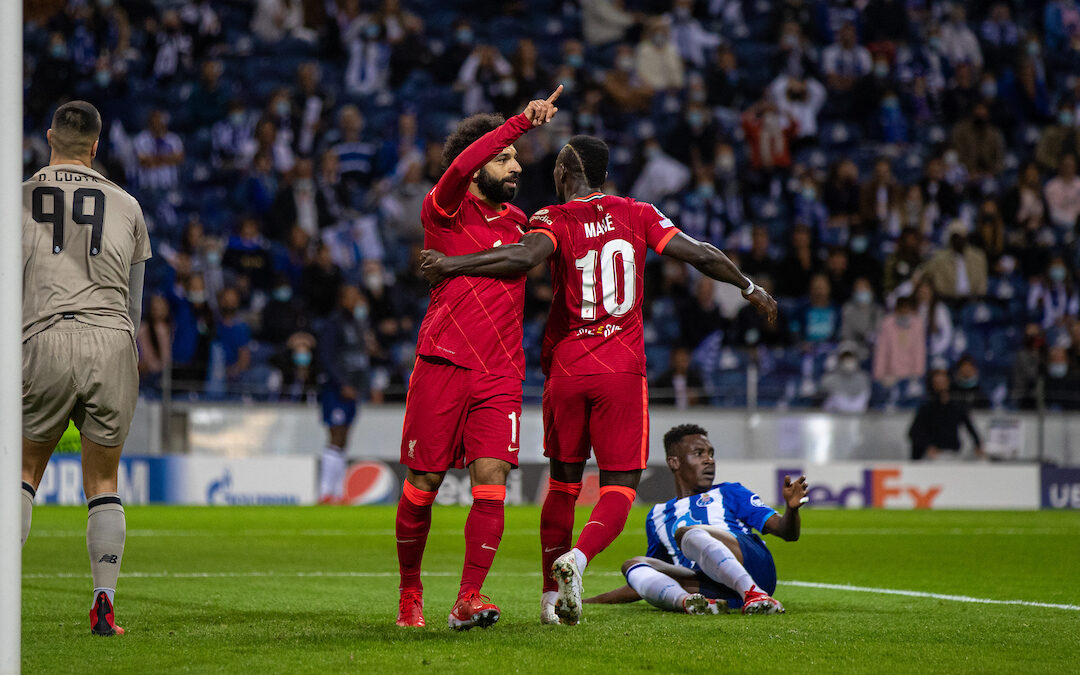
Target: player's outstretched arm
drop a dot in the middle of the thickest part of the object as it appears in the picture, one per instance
(454, 183)
(789, 526)
(618, 596)
(510, 260)
(712, 262)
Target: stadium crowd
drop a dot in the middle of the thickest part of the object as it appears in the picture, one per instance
(902, 174)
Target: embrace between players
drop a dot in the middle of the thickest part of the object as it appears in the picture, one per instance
(464, 402)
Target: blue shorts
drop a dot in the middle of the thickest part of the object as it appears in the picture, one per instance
(758, 562)
(336, 411)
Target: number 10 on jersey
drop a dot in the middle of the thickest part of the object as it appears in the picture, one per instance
(608, 275)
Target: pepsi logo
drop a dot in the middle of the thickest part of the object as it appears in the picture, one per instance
(369, 483)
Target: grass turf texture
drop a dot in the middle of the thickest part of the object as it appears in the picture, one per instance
(270, 617)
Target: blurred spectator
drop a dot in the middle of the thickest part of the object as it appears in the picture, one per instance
(701, 213)
(769, 134)
(623, 85)
(989, 234)
(861, 316)
(296, 366)
(842, 194)
(966, 389)
(290, 259)
(234, 336)
(271, 140)
(839, 275)
(328, 183)
(1062, 194)
(1027, 368)
(354, 151)
(274, 20)
(800, 100)
(845, 62)
(846, 386)
(681, 385)
(1059, 140)
(900, 349)
(155, 340)
(901, 264)
(173, 48)
(247, 254)
(401, 204)
(160, 153)
(799, 266)
(657, 60)
(819, 321)
(1024, 202)
(209, 100)
(1000, 37)
(936, 426)
(53, 77)
(411, 53)
(195, 329)
(751, 330)
(940, 198)
(759, 261)
(531, 76)
(660, 175)
(257, 190)
(879, 200)
(1053, 297)
(958, 272)
(312, 104)
(605, 21)
(723, 81)
(284, 315)
(979, 144)
(484, 76)
(228, 137)
(958, 42)
(387, 306)
(320, 283)
(936, 317)
(700, 316)
(298, 203)
(693, 141)
(1062, 381)
(690, 37)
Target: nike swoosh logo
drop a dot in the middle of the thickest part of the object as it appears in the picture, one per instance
(511, 448)
(405, 541)
(488, 547)
(491, 218)
(594, 522)
(553, 548)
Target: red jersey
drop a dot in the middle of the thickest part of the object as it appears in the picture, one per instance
(474, 322)
(598, 276)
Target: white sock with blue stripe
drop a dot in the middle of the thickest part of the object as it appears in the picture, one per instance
(716, 560)
(657, 588)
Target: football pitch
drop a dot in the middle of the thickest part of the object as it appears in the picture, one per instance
(314, 589)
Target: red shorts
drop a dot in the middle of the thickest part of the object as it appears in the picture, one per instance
(455, 415)
(609, 413)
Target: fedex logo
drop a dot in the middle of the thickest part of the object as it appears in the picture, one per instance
(877, 488)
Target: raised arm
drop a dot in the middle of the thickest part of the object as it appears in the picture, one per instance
(454, 183)
(509, 260)
(712, 262)
(789, 526)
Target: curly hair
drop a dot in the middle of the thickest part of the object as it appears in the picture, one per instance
(468, 131)
(675, 435)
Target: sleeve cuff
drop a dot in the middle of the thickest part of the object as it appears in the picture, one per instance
(659, 248)
(549, 234)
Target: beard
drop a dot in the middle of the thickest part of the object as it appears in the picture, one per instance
(497, 190)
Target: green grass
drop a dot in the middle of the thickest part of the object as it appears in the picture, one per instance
(283, 622)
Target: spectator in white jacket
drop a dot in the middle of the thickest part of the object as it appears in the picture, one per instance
(658, 62)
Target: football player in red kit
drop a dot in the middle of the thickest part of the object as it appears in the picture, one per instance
(595, 393)
(464, 401)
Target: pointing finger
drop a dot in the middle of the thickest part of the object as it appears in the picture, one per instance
(554, 94)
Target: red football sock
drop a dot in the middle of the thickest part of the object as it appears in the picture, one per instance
(556, 526)
(607, 519)
(483, 532)
(413, 523)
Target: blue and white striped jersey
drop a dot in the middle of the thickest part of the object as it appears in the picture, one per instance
(727, 505)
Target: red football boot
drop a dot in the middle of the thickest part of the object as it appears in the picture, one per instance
(102, 621)
(473, 609)
(758, 602)
(411, 610)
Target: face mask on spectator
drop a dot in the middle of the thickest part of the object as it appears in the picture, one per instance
(508, 87)
(585, 120)
(1065, 118)
(373, 282)
(726, 162)
(360, 312)
(789, 41)
(58, 51)
(935, 43)
(371, 31)
(282, 108)
(903, 320)
(464, 36)
(706, 190)
(1057, 370)
(625, 63)
(859, 244)
(1033, 48)
(197, 297)
(695, 119)
(988, 89)
(752, 336)
(864, 297)
(809, 193)
(213, 258)
(102, 77)
(849, 364)
(881, 70)
(575, 60)
(967, 382)
(659, 39)
(1057, 274)
(283, 293)
(236, 118)
(301, 359)
(890, 103)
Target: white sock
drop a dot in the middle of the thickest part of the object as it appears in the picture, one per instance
(580, 559)
(28, 494)
(716, 560)
(332, 472)
(657, 588)
(548, 598)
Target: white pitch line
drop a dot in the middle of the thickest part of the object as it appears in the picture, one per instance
(605, 573)
(924, 594)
